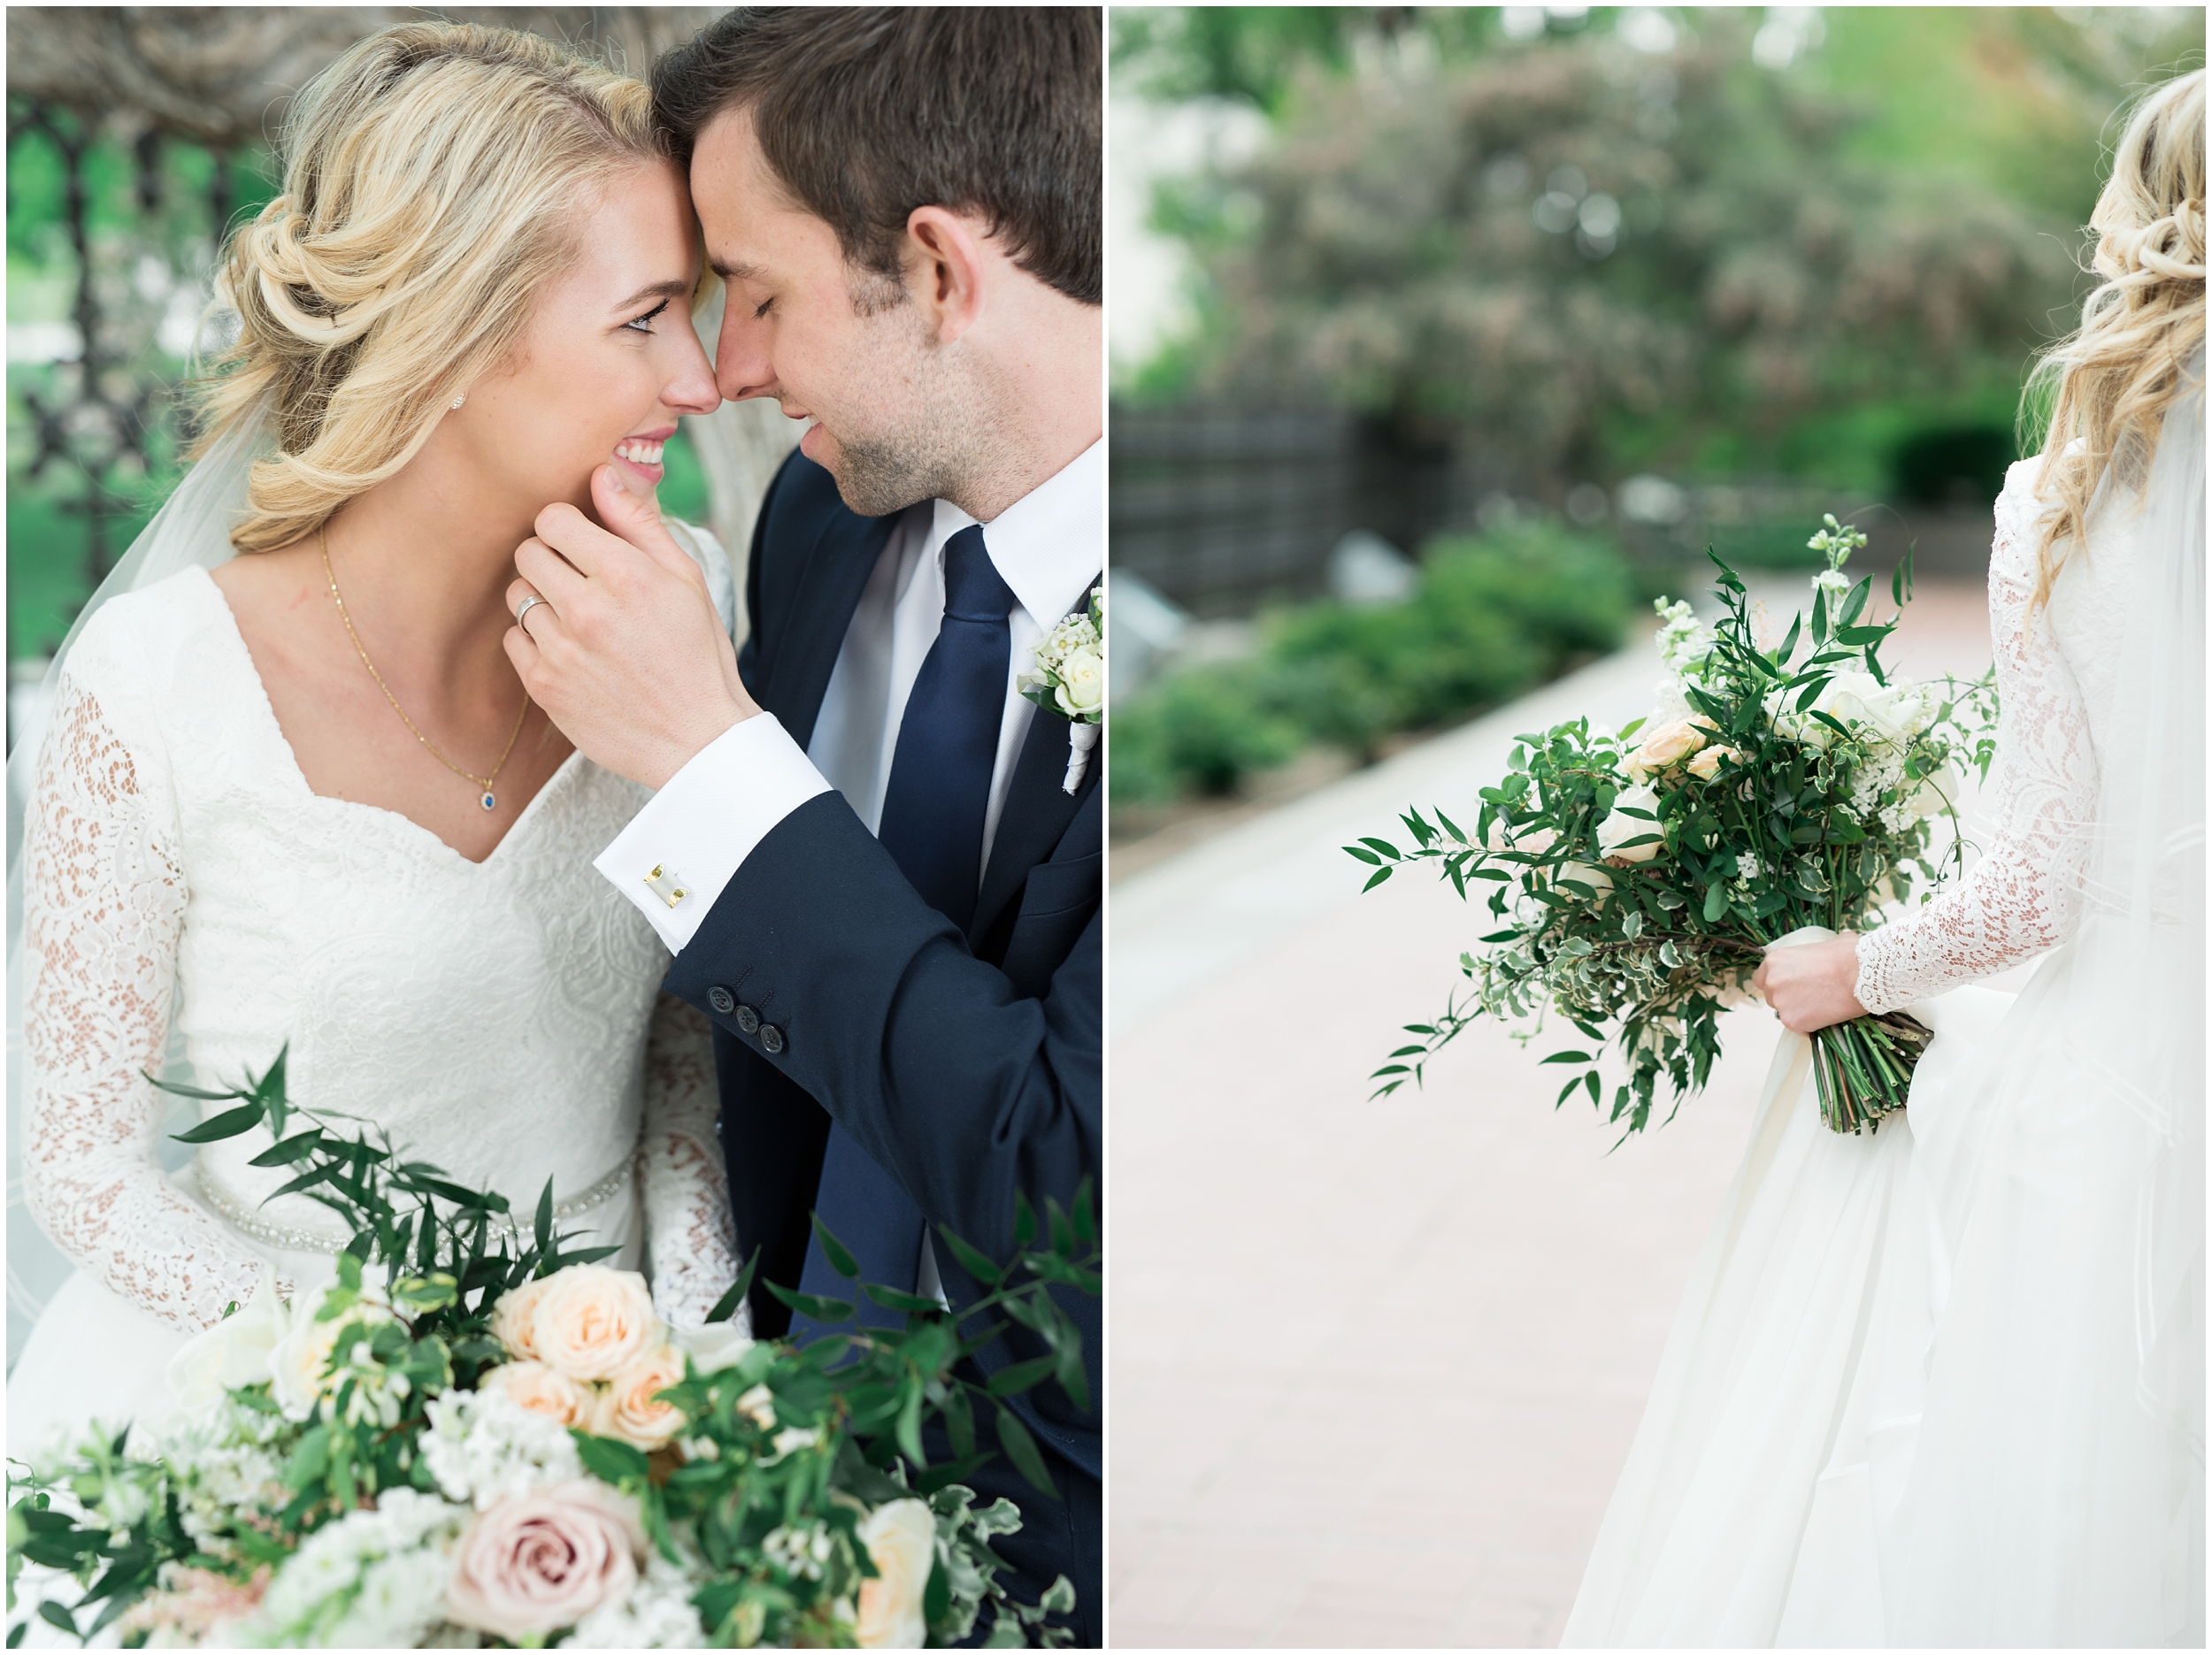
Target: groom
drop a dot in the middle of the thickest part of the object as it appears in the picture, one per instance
(860, 849)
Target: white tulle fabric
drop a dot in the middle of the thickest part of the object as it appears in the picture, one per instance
(1944, 1385)
(502, 1019)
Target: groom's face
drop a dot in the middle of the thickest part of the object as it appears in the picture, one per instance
(849, 350)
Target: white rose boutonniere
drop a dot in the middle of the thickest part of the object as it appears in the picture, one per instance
(1067, 676)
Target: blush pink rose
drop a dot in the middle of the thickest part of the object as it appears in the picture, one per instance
(533, 1563)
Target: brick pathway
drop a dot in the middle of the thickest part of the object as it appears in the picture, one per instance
(1373, 1367)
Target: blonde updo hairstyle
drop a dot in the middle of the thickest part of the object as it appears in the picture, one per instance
(2110, 383)
(434, 177)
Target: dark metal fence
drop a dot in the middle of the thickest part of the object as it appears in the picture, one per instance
(1219, 508)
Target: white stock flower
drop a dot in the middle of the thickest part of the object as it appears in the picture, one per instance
(483, 1445)
(1618, 827)
(1832, 581)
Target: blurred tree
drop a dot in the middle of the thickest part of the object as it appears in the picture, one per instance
(1595, 241)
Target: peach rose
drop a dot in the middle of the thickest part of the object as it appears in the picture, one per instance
(1663, 747)
(511, 1320)
(1705, 764)
(902, 1542)
(590, 1322)
(545, 1390)
(535, 1562)
(627, 1409)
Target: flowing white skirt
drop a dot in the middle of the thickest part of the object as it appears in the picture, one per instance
(1902, 1402)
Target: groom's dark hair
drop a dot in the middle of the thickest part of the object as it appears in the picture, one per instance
(866, 113)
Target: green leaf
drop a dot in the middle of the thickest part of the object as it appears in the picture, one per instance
(1568, 1057)
(839, 1256)
(725, 1306)
(1085, 1211)
(1789, 639)
(959, 1419)
(811, 1305)
(1716, 902)
(544, 1227)
(55, 1615)
(905, 1304)
(285, 1151)
(1025, 1223)
(1012, 1381)
(608, 1460)
(1367, 857)
(1375, 878)
(1021, 1448)
(1382, 845)
(972, 1259)
(230, 1124)
(1449, 827)
(909, 1426)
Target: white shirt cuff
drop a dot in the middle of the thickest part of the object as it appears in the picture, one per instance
(678, 854)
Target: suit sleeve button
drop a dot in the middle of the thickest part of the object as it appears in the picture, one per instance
(721, 999)
(771, 1038)
(748, 1020)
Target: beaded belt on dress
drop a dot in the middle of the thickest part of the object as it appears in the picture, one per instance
(242, 1215)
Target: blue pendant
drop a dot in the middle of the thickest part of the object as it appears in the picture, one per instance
(488, 801)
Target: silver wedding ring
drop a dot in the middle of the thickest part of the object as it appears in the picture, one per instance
(523, 608)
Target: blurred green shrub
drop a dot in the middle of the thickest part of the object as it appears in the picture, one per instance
(1494, 615)
(1199, 732)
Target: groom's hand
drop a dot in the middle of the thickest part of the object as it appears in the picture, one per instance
(626, 654)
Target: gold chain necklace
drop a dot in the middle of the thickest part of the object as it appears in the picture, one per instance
(490, 799)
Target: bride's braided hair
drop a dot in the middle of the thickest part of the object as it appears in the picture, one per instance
(434, 179)
(2142, 330)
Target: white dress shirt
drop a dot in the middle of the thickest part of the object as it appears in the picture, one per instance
(681, 850)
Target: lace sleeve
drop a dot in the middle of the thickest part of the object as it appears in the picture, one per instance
(2023, 896)
(103, 903)
(691, 1234)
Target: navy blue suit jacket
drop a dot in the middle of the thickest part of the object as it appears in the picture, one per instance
(968, 1066)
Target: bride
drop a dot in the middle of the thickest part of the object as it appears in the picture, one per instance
(1944, 1384)
(298, 796)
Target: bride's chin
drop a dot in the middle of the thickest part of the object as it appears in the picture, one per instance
(650, 475)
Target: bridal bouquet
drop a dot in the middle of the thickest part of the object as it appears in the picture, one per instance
(452, 1446)
(1637, 878)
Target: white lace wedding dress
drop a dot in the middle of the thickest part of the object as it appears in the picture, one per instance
(1934, 1385)
(501, 1019)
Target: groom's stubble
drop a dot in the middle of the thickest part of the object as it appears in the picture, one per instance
(935, 437)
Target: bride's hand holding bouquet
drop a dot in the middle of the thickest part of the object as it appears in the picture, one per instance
(1780, 791)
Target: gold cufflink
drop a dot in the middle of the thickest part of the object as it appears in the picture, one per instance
(665, 886)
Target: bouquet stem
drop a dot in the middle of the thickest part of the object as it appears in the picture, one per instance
(1864, 1069)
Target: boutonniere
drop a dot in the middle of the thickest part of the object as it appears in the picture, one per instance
(1067, 676)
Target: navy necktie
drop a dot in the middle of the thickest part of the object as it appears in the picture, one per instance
(934, 807)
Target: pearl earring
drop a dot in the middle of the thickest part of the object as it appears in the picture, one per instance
(460, 399)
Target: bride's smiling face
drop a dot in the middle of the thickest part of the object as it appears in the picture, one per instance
(609, 360)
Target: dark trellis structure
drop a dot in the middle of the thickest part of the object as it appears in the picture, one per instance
(157, 79)
(98, 422)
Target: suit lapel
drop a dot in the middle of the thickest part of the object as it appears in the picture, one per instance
(1037, 811)
(829, 589)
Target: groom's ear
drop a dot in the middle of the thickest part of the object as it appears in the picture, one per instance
(947, 269)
